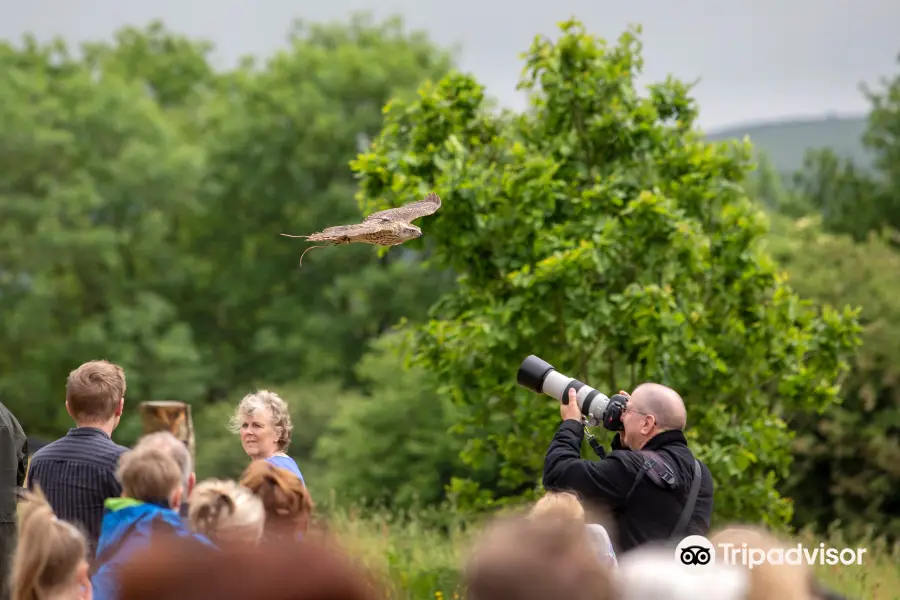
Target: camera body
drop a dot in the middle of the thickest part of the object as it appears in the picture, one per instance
(541, 377)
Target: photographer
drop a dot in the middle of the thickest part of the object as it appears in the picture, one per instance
(646, 481)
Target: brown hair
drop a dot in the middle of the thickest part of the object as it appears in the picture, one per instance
(48, 553)
(226, 512)
(149, 474)
(537, 559)
(94, 390)
(286, 500)
(176, 569)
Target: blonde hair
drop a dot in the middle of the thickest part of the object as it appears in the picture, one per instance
(94, 390)
(278, 411)
(286, 500)
(149, 474)
(48, 553)
(558, 505)
(226, 512)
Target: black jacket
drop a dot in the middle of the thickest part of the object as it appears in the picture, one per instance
(651, 513)
(13, 463)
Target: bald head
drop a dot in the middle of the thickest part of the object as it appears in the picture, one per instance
(662, 402)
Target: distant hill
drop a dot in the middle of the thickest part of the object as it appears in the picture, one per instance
(786, 142)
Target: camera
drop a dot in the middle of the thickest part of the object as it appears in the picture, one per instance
(541, 377)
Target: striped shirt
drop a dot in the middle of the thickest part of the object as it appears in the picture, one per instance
(77, 473)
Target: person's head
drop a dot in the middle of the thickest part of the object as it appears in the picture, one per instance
(50, 561)
(525, 559)
(651, 571)
(174, 569)
(151, 475)
(264, 423)
(286, 500)
(226, 513)
(564, 505)
(767, 580)
(652, 409)
(167, 443)
(95, 395)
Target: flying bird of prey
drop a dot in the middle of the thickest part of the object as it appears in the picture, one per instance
(389, 227)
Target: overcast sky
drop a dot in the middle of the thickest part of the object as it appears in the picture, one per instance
(756, 60)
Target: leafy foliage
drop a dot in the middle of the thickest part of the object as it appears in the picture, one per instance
(847, 459)
(836, 235)
(278, 140)
(390, 448)
(599, 231)
(850, 197)
(141, 207)
(94, 179)
(144, 192)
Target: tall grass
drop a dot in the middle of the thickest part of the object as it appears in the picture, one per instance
(413, 560)
(417, 562)
(877, 578)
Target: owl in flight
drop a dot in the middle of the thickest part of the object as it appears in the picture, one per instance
(389, 227)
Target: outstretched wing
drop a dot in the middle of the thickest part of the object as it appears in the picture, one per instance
(340, 232)
(408, 212)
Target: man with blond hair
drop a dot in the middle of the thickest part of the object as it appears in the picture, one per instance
(77, 473)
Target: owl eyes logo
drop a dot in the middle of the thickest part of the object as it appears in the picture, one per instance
(695, 550)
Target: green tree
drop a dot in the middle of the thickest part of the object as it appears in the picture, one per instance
(175, 69)
(854, 199)
(143, 203)
(847, 196)
(768, 187)
(95, 180)
(843, 251)
(390, 448)
(278, 138)
(846, 459)
(600, 231)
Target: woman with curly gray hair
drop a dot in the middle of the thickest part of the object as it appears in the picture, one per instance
(264, 423)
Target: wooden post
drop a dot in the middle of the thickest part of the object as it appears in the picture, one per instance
(171, 416)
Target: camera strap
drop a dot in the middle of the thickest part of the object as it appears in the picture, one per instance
(691, 501)
(595, 445)
(663, 476)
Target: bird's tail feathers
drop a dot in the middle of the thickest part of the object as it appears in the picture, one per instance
(307, 250)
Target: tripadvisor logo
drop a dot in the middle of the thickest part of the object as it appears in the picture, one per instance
(697, 551)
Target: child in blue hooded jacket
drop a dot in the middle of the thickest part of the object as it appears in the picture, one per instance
(152, 493)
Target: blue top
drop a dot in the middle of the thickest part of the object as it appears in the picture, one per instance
(286, 462)
(128, 525)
